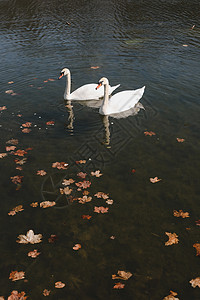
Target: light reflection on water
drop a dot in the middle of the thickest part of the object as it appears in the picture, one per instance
(134, 43)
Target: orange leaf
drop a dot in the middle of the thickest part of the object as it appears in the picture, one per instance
(197, 247)
(173, 239)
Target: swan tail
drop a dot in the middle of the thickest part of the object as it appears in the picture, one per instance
(140, 106)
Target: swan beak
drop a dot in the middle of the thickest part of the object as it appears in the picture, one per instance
(61, 75)
(99, 85)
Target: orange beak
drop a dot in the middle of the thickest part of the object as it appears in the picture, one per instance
(61, 76)
(98, 86)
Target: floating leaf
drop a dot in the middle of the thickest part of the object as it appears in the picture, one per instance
(26, 130)
(195, 282)
(171, 296)
(41, 172)
(30, 237)
(86, 217)
(84, 185)
(3, 108)
(122, 275)
(10, 148)
(59, 285)
(180, 140)
(82, 161)
(118, 285)
(101, 209)
(181, 214)
(96, 173)
(15, 275)
(77, 247)
(67, 181)
(94, 67)
(46, 292)
(66, 191)
(17, 296)
(101, 195)
(34, 204)
(15, 210)
(12, 142)
(60, 165)
(109, 201)
(173, 239)
(2, 155)
(154, 180)
(50, 123)
(82, 175)
(17, 179)
(53, 238)
(84, 199)
(34, 253)
(20, 161)
(20, 152)
(46, 204)
(27, 124)
(150, 133)
(197, 247)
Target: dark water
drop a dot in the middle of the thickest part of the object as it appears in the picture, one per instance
(134, 43)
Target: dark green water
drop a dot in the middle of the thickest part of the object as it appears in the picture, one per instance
(134, 43)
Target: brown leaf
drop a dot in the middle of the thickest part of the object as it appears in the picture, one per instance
(59, 285)
(30, 237)
(3, 108)
(20, 152)
(15, 210)
(195, 282)
(180, 140)
(17, 179)
(2, 155)
(10, 148)
(33, 253)
(171, 296)
(101, 195)
(68, 181)
(20, 161)
(15, 275)
(122, 275)
(82, 161)
(173, 239)
(41, 172)
(34, 204)
(53, 238)
(66, 190)
(154, 180)
(12, 142)
(96, 173)
(60, 165)
(50, 123)
(86, 217)
(150, 133)
(118, 285)
(197, 247)
(77, 247)
(46, 292)
(84, 199)
(84, 184)
(82, 175)
(46, 204)
(26, 130)
(17, 296)
(181, 214)
(27, 124)
(101, 209)
(94, 67)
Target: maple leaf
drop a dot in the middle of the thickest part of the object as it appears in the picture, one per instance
(122, 275)
(2, 155)
(154, 180)
(77, 247)
(17, 296)
(68, 181)
(15, 275)
(30, 237)
(41, 172)
(150, 133)
(84, 199)
(60, 165)
(20, 152)
(96, 173)
(66, 191)
(3, 108)
(180, 213)
(17, 179)
(10, 148)
(118, 285)
(15, 210)
(27, 124)
(46, 204)
(26, 130)
(180, 140)
(109, 201)
(84, 184)
(46, 292)
(82, 175)
(20, 161)
(87, 217)
(195, 282)
(34, 204)
(173, 239)
(101, 195)
(197, 247)
(12, 142)
(50, 123)
(33, 253)
(171, 296)
(82, 161)
(59, 285)
(101, 209)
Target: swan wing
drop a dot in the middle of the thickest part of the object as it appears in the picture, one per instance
(124, 100)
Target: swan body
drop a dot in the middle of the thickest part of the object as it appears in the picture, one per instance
(85, 92)
(119, 102)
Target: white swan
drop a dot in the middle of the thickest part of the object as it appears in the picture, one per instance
(119, 102)
(85, 92)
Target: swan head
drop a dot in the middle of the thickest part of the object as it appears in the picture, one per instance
(64, 72)
(102, 81)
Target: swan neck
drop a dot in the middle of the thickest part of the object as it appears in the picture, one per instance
(106, 97)
(68, 86)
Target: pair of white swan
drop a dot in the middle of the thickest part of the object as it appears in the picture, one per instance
(120, 102)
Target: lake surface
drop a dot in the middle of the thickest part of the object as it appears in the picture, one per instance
(134, 43)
